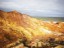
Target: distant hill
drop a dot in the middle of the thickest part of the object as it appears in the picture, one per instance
(51, 18)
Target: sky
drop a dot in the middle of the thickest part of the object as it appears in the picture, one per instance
(36, 8)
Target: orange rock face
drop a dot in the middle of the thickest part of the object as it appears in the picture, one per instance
(15, 26)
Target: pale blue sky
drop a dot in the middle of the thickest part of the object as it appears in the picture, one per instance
(38, 8)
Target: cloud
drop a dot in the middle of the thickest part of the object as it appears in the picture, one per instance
(9, 5)
(36, 4)
(8, 0)
(35, 7)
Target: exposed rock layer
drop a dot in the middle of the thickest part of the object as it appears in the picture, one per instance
(15, 26)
